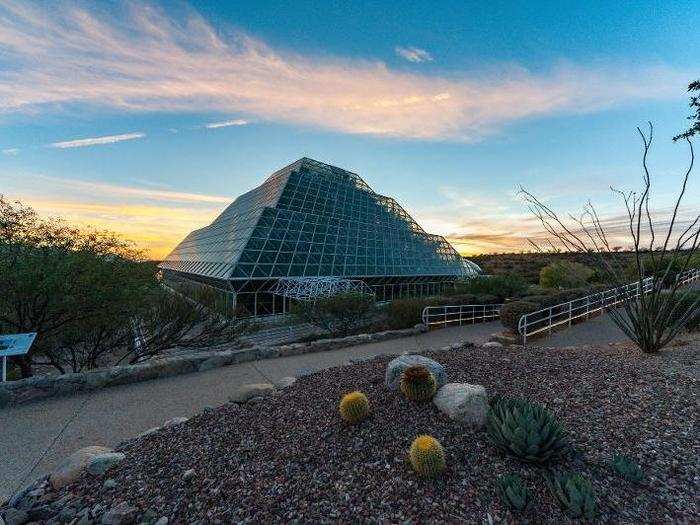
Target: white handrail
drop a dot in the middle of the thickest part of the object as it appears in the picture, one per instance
(444, 315)
(564, 313)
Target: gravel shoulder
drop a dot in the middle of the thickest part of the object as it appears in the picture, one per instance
(289, 457)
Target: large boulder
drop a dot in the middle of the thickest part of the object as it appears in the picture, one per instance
(463, 402)
(71, 467)
(396, 367)
(98, 465)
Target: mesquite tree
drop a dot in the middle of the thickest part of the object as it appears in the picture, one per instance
(651, 320)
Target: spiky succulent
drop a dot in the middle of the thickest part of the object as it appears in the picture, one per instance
(574, 493)
(627, 468)
(354, 407)
(427, 456)
(513, 492)
(525, 430)
(418, 383)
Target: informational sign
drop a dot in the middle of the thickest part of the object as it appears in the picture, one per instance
(14, 344)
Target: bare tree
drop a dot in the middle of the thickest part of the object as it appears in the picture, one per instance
(651, 320)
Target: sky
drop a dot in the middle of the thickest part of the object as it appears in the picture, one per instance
(148, 118)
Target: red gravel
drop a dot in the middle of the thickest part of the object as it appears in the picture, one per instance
(290, 457)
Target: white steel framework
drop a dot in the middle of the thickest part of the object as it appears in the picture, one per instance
(311, 288)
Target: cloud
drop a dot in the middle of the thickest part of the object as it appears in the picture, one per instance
(141, 59)
(413, 54)
(226, 124)
(96, 141)
(11, 151)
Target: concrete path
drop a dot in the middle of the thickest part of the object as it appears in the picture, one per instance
(35, 437)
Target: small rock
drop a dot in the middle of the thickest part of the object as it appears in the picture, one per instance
(421, 328)
(247, 392)
(188, 474)
(122, 514)
(100, 464)
(67, 514)
(396, 367)
(71, 467)
(16, 517)
(286, 382)
(163, 520)
(464, 403)
(174, 421)
(109, 484)
(148, 432)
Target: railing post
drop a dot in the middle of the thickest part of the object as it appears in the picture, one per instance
(550, 320)
(569, 313)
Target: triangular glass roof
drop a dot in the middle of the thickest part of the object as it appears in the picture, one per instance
(311, 219)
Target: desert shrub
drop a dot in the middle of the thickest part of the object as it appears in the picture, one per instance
(468, 298)
(513, 492)
(525, 430)
(627, 468)
(654, 267)
(500, 286)
(405, 313)
(575, 495)
(565, 274)
(427, 456)
(354, 407)
(339, 314)
(418, 383)
(513, 311)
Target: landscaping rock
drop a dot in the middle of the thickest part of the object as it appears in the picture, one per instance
(464, 403)
(247, 392)
(16, 517)
(98, 465)
(493, 344)
(286, 382)
(421, 328)
(5, 397)
(71, 467)
(149, 432)
(396, 367)
(122, 514)
(188, 474)
(174, 421)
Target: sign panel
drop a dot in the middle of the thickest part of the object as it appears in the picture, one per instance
(16, 344)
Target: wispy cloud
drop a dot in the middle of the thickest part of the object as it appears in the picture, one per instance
(11, 151)
(96, 141)
(226, 124)
(141, 59)
(413, 54)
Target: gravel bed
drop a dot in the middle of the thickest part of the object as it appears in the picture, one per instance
(290, 458)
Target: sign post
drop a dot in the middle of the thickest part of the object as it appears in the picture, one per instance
(14, 344)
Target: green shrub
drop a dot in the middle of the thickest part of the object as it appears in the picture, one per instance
(525, 430)
(627, 468)
(339, 314)
(683, 302)
(565, 274)
(406, 313)
(513, 311)
(575, 495)
(513, 492)
(500, 286)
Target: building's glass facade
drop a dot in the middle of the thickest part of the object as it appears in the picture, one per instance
(309, 220)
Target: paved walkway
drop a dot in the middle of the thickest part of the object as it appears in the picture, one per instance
(35, 437)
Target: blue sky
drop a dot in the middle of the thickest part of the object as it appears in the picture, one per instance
(148, 118)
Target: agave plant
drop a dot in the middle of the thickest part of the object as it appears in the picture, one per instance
(575, 494)
(513, 492)
(626, 467)
(526, 430)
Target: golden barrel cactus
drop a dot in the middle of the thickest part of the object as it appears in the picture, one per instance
(354, 407)
(427, 456)
(418, 383)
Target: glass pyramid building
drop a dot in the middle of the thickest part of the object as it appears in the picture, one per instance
(311, 221)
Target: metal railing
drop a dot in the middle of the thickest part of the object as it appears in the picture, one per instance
(460, 314)
(546, 319)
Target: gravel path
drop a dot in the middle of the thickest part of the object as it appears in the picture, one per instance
(290, 458)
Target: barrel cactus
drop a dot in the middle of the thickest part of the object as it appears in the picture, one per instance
(627, 468)
(575, 494)
(525, 430)
(513, 492)
(418, 383)
(427, 456)
(354, 407)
